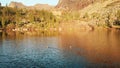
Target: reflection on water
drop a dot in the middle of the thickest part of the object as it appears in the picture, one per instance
(98, 47)
(90, 49)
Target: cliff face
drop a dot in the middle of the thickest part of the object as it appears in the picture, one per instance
(74, 4)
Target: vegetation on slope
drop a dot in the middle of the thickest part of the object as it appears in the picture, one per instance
(106, 13)
(12, 18)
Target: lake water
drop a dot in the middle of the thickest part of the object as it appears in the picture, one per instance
(76, 49)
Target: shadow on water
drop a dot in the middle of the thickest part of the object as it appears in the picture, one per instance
(86, 49)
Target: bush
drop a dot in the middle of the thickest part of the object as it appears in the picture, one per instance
(116, 22)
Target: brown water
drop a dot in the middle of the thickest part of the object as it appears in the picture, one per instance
(72, 49)
(98, 47)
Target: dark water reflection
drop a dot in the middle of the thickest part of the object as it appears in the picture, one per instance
(90, 49)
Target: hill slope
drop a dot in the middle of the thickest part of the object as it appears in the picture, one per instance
(37, 6)
(103, 13)
(74, 4)
(16, 5)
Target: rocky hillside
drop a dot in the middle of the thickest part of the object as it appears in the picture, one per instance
(41, 6)
(16, 5)
(37, 6)
(105, 13)
(74, 4)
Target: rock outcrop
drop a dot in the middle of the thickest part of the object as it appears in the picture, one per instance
(16, 5)
(74, 4)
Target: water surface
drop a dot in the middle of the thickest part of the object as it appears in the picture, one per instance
(86, 49)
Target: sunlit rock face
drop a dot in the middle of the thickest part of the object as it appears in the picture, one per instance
(16, 5)
(74, 4)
